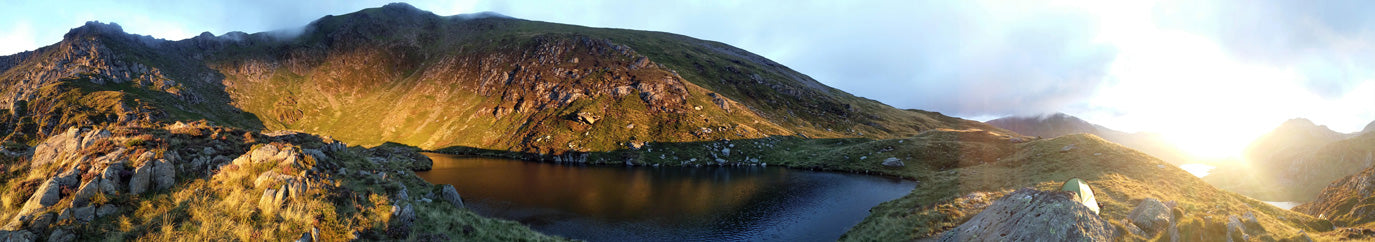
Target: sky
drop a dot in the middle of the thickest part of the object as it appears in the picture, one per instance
(1210, 75)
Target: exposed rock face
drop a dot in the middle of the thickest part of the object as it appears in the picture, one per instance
(164, 175)
(1152, 216)
(83, 194)
(63, 146)
(17, 236)
(1349, 201)
(138, 183)
(109, 178)
(893, 162)
(1032, 215)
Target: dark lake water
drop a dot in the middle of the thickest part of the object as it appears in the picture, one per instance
(666, 203)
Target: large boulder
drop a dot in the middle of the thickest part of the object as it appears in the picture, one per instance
(84, 214)
(47, 195)
(83, 195)
(893, 162)
(17, 236)
(1151, 215)
(1032, 215)
(449, 194)
(109, 178)
(164, 175)
(263, 153)
(56, 146)
(59, 235)
(138, 183)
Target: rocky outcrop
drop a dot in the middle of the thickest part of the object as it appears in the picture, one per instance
(17, 236)
(1346, 202)
(63, 146)
(138, 183)
(83, 194)
(1032, 215)
(1151, 216)
(164, 175)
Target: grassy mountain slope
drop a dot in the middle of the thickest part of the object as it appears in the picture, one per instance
(399, 74)
(1120, 178)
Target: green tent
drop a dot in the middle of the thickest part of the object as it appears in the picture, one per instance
(1081, 188)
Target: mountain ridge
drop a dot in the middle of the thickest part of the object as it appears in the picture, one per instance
(324, 68)
(1061, 124)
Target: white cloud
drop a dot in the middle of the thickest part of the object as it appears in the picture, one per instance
(17, 38)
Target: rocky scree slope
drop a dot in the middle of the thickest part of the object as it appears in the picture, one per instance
(1348, 202)
(200, 182)
(399, 74)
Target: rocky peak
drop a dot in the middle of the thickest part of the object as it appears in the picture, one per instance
(1052, 125)
(94, 28)
(1292, 136)
(1369, 127)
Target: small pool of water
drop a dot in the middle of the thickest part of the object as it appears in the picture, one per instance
(1199, 170)
(666, 203)
(1284, 205)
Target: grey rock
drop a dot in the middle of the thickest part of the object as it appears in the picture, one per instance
(145, 157)
(893, 162)
(106, 210)
(1132, 228)
(1151, 215)
(83, 195)
(1032, 215)
(164, 175)
(59, 235)
(1067, 148)
(52, 149)
(305, 237)
(268, 199)
(138, 183)
(1236, 231)
(18, 236)
(109, 178)
(449, 194)
(84, 214)
(318, 155)
(69, 178)
(263, 153)
(41, 222)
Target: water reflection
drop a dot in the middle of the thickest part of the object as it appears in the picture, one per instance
(678, 203)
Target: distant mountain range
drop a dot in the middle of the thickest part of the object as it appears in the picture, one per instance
(1295, 161)
(1060, 124)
